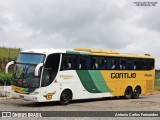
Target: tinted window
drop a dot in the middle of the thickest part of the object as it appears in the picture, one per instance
(30, 58)
(87, 62)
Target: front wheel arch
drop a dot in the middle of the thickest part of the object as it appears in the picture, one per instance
(65, 97)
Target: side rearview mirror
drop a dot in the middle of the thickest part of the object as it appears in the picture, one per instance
(37, 69)
(7, 66)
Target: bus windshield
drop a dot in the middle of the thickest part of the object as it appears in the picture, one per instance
(25, 68)
(24, 76)
(30, 58)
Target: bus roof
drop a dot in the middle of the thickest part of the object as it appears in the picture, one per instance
(44, 51)
(103, 52)
(86, 51)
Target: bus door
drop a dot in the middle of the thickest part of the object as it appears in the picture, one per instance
(46, 77)
(50, 69)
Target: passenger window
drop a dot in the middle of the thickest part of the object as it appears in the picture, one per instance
(73, 62)
(129, 64)
(109, 63)
(114, 64)
(88, 62)
(95, 64)
(66, 62)
(150, 64)
(137, 64)
(102, 63)
(82, 62)
(122, 63)
(144, 64)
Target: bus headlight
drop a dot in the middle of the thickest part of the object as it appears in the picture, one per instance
(34, 93)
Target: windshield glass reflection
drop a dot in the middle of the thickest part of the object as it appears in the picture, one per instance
(24, 76)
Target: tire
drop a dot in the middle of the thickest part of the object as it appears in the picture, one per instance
(65, 97)
(128, 93)
(136, 93)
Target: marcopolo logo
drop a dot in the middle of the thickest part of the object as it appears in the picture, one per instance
(67, 77)
(123, 75)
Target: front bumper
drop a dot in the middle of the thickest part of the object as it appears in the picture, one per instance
(25, 96)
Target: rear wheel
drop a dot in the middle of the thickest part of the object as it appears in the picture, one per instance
(128, 93)
(136, 93)
(65, 97)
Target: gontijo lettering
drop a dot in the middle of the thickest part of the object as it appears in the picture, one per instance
(123, 75)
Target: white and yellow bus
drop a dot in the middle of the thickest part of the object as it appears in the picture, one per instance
(82, 73)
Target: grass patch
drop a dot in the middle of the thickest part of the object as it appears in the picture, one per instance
(8, 53)
(6, 79)
(157, 84)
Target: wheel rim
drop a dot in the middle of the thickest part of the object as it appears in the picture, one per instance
(136, 92)
(65, 97)
(128, 93)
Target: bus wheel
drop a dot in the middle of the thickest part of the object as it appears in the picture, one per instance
(128, 93)
(136, 93)
(65, 97)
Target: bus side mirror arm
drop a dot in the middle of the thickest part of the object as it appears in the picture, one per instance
(37, 69)
(7, 66)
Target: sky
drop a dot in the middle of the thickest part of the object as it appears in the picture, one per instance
(105, 24)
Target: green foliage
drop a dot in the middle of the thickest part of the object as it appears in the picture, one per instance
(157, 84)
(8, 53)
(6, 78)
(157, 80)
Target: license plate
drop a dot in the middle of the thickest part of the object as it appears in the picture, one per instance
(21, 96)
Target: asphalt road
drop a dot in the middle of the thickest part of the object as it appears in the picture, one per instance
(144, 103)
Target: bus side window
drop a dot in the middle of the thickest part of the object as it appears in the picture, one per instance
(66, 62)
(150, 64)
(109, 63)
(105, 64)
(73, 62)
(122, 63)
(82, 62)
(131, 64)
(114, 64)
(88, 62)
(137, 64)
(102, 63)
(95, 63)
(79, 64)
(134, 67)
(144, 64)
(128, 64)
